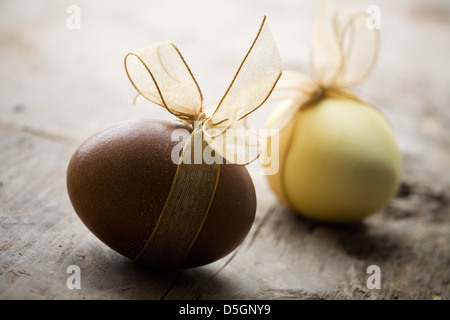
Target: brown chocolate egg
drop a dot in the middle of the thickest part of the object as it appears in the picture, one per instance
(119, 180)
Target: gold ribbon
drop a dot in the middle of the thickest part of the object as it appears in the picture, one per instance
(343, 53)
(160, 74)
(185, 210)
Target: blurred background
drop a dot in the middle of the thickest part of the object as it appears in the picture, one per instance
(59, 74)
(62, 79)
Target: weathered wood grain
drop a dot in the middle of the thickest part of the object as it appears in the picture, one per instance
(59, 86)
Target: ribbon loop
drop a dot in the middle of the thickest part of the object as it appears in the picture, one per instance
(254, 80)
(160, 74)
(344, 47)
(251, 86)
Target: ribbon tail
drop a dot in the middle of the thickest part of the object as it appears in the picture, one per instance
(237, 145)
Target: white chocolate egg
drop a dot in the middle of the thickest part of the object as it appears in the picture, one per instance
(338, 161)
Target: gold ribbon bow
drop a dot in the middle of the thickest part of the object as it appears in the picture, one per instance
(160, 74)
(343, 52)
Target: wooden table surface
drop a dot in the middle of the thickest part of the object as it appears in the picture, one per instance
(59, 85)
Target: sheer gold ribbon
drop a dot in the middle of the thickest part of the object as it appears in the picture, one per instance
(160, 74)
(343, 52)
(185, 210)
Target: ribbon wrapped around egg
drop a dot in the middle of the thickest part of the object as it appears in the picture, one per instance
(338, 158)
(165, 207)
